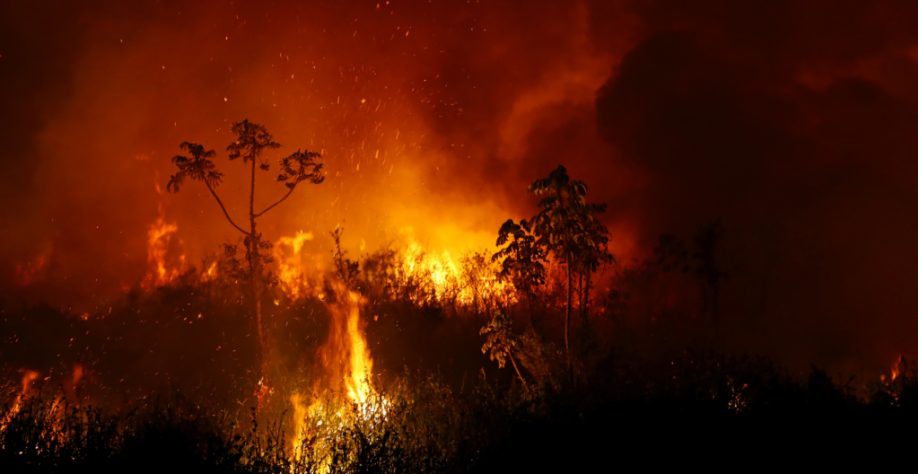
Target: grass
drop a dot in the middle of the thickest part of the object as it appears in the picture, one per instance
(716, 406)
(169, 373)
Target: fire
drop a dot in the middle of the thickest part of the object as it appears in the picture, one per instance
(472, 280)
(346, 364)
(440, 269)
(291, 273)
(345, 356)
(210, 273)
(28, 377)
(159, 236)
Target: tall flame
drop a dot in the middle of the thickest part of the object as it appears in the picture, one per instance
(159, 236)
(346, 363)
(291, 273)
(28, 377)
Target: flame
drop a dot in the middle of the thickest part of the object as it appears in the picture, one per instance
(159, 236)
(28, 377)
(345, 356)
(346, 363)
(475, 278)
(210, 273)
(291, 273)
(895, 369)
(441, 269)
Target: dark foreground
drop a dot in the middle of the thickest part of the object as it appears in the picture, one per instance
(704, 410)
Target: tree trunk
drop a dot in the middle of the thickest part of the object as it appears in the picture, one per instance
(715, 313)
(262, 358)
(531, 313)
(518, 374)
(567, 319)
(586, 297)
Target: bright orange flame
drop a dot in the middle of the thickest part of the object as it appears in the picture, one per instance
(346, 362)
(28, 377)
(159, 236)
(468, 282)
(895, 369)
(291, 272)
(210, 273)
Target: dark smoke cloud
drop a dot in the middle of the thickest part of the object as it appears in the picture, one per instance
(796, 124)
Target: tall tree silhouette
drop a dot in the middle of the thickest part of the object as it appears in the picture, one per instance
(565, 225)
(707, 269)
(347, 269)
(251, 142)
(592, 252)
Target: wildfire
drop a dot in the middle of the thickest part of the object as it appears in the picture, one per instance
(291, 273)
(159, 236)
(440, 269)
(472, 280)
(210, 273)
(346, 363)
(28, 377)
(895, 368)
(56, 413)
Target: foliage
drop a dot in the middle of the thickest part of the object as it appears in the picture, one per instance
(566, 225)
(199, 167)
(417, 423)
(347, 270)
(252, 140)
(522, 261)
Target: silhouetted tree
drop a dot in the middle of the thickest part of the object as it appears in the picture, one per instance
(565, 226)
(592, 252)
(671, 254)
(502, 342)
(522, 260)
(707, 268)
(347, 270)
(251, 142)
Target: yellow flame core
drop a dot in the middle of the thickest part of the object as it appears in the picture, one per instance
(158, 237)
(346, 363)
(361, 365)
(291, 273)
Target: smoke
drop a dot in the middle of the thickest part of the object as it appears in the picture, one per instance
(792, 122)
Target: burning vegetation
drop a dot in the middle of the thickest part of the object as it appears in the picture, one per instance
(531, 236)
(288, 364)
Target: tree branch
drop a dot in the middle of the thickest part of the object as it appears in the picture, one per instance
(230, 219)
(276, 203)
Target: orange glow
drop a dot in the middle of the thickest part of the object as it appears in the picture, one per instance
(346, 364)
(28, 377)
(345, 356)
(291, 271)
(159, 236)
(210, 273)
(27, 274)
